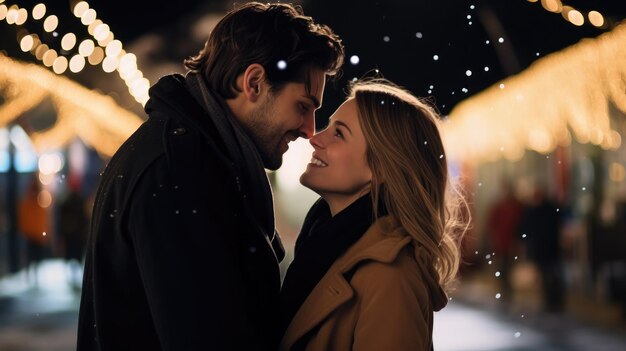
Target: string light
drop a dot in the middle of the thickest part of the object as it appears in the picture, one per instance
(95, 54)
(571, 14)
(580, 81)
(82, 112)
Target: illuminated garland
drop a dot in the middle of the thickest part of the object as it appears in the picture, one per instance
(108, 51)
(570, 90)
(572, 15)
(95, 118)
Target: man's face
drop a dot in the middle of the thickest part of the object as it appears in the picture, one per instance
(284, 116)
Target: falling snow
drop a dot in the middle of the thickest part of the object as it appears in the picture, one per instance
(354, 59)
(282, 64)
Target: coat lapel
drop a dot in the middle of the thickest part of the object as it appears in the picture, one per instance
(381, 242)
(330, 293)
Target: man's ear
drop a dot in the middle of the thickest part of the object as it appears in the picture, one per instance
(253, 82)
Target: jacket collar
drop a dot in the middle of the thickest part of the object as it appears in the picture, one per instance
(382, 242)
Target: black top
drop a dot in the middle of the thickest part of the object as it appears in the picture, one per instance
(322, 240)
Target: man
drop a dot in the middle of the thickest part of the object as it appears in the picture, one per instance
(183, 254)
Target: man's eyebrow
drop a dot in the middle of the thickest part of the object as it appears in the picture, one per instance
(344, 125)
(313, 99)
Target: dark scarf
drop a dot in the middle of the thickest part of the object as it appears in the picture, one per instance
(322, 240)
(242, 152)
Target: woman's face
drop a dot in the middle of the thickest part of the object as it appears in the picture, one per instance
(338, 166)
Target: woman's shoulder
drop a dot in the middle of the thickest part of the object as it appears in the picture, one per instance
(400, 278)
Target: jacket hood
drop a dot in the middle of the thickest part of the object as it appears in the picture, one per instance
(170, 95)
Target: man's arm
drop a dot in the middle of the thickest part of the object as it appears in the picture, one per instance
(188, 262)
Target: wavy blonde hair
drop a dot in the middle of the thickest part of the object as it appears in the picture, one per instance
(410, 171)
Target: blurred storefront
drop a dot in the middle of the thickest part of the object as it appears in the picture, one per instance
(53, 133)
(558, 125)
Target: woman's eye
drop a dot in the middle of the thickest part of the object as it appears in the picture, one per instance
(338, 133)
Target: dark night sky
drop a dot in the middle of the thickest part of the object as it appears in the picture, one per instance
(404, 58)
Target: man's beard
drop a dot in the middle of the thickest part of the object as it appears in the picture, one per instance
(266, 136)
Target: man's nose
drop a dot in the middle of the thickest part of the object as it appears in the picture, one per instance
(307, 129)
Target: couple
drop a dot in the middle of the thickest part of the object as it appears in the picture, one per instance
(182, 252)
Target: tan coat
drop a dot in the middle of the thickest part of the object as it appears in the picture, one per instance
(387, 304)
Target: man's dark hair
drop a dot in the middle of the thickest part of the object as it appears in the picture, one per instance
(267, 34)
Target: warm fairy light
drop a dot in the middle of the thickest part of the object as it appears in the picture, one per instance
(12, 15)
(565, 12)
(581, 81)
(22, 16)
(77, 63)
(60, 65)
(132, 76)
(92, 27)
(139, 86)
(86, 47)
(114, 48)
(576, 17)
(26, 44)
(96, 56)
(80, 8)
(110, 64)
(101, 31)
(88, 17)
(68, 42)
(41, 49)
(596, 18)
(39, 11)
(104, 42)
(50, 163)
(552, 5)
(49, 57)
(128, 63)
(3, 12)
(51, 23)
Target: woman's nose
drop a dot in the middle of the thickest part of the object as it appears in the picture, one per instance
(316, 140)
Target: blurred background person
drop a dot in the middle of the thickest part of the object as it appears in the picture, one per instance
(34, 224)
(502, 226)
(73, 225)
(540, 229)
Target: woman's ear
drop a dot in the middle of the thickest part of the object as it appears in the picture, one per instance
(253, 84)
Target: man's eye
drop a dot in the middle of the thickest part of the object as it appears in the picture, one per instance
(303, 107)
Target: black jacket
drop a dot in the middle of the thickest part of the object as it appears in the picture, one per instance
(174, 261)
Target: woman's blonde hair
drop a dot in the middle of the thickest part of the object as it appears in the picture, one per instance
(410, 171)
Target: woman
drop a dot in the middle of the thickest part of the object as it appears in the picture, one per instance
(380, 247)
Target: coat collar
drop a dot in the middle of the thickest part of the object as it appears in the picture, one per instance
(382, 242)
